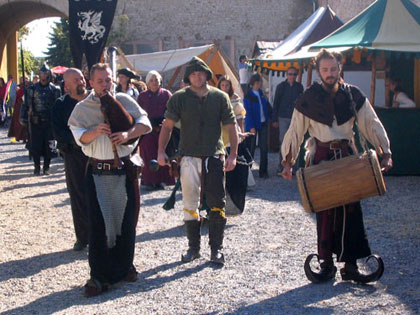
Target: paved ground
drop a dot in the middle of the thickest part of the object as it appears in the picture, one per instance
(265, 250)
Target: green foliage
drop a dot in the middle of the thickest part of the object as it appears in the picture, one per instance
(119, 31)
(58, 53)
(31, 63)
(23, 32)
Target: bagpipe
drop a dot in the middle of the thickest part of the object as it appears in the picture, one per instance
(114, 112)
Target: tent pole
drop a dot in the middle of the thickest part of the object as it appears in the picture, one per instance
(388, 103)
(173, 78)
(300, 73)
(417, 82)
(373, 82)
(309, 77)
(122, 55)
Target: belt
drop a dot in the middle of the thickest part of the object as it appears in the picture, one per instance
(106, 167)
(342, 144)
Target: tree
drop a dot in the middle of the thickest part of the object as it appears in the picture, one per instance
(23, 32)
(119, 31)
(31, 63)
(58, 52)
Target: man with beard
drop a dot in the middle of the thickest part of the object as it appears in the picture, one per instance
(110, 188)
(202, 110)
(39, 99)
(325, 111)
(74, 159)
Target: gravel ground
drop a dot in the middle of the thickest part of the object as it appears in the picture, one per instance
(265, 249)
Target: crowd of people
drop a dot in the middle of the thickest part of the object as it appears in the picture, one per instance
(107, 139)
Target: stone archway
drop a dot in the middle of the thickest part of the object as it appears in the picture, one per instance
(13, 15)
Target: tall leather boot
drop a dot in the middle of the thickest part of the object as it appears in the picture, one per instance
(37, 165)
(46, 168)
(193, 234)
(216, 233)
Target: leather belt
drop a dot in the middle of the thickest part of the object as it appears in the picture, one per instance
(103, 165)
(342, 144)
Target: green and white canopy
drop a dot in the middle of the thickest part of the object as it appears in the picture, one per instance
(388, 25)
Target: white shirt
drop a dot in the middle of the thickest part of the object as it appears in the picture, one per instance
(87, 115)
(368, 122)
(404, 101)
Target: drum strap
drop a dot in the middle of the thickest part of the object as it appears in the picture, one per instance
(363, 141)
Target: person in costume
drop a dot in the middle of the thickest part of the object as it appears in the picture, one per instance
(74, 159)
(325, 111)
(202, 110)
(110, 188)
(125, 85)
(153, 101)
(400, 98)
(36, 115)
(236, 180)
(16, 130)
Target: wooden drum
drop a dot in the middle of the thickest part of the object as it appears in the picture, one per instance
(339, 182)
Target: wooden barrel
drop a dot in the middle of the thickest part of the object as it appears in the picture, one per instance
(339, 182)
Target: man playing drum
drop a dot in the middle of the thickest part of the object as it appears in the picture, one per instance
(325, 111)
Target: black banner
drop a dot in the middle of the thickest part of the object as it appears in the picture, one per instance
(90, 22)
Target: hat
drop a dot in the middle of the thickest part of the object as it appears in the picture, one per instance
(128, 73)
(196, 64)
(45, 68)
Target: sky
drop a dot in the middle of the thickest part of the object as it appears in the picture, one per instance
(38, 39)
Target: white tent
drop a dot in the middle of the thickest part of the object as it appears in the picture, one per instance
(163, 60)
(175, 59)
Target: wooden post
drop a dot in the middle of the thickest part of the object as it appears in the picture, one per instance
(373, 82)
(127, 62)
(417, 82)
(300, 73)
(309, 76)
(173, 78)
(388, 102)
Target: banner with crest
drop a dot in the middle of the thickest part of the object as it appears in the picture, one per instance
(90, 22)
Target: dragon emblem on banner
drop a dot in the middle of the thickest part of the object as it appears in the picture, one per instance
(90, 24)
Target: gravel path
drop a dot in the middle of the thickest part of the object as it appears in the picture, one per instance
(265, 249)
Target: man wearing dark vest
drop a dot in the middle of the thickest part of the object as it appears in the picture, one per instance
(36, 114)
(284, 101)
(325, 111)
(74, 159)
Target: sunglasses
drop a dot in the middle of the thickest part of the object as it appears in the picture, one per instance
(292, 73)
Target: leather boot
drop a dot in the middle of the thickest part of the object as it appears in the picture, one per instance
(37, 170)
(327, 271)
(216, 233)
(193, 234)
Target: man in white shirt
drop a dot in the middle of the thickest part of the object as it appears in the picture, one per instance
(325, 111)
(111, 189)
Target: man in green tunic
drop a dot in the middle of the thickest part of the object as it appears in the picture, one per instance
(202, 111)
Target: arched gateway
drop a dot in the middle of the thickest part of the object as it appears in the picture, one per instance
(13, 15)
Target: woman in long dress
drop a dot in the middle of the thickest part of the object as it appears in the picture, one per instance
(153, 101)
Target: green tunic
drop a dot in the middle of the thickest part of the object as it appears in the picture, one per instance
(201, 120)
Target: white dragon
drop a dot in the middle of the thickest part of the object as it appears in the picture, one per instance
(90, 24)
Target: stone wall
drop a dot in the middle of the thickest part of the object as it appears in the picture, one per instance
(156, 25)
(235, 24)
